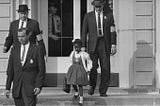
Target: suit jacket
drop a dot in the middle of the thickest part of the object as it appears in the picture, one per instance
(30, 75)
(12, 38)
(89, 29)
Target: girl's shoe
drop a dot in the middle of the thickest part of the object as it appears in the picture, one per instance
(81, 100)
(76, 94)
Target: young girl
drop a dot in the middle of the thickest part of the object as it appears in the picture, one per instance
(77, 72)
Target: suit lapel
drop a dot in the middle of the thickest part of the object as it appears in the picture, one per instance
(18, 57)
(28, 54)
(94, 18)
(28, 23)
(17, 24)
(16, 28)
(105, 19)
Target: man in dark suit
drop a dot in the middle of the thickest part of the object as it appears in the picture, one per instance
(99, 29)
(26, 69)
(24, 22)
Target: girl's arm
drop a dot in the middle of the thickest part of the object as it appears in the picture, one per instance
(71, 56)
(88, 60)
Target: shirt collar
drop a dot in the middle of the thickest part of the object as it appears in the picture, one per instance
(26, 45)
(97, 12)
(23, 21)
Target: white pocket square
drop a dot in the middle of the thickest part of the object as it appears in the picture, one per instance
(31, 61)
(105, 17)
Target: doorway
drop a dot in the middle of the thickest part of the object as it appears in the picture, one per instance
(60, 27)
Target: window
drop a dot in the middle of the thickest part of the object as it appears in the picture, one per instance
(60, 27)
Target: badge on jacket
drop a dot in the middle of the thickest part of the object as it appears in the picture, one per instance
(31, 61)
(105, 17)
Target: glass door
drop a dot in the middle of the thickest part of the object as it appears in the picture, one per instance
(60, 27)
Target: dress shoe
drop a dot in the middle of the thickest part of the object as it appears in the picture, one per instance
(103, 95)
(91, 91)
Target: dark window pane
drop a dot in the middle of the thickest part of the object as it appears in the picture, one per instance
(67, 18)
(66, 46)
(54, 47)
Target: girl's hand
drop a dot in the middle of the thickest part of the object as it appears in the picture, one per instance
(7, 93)
(83, 49)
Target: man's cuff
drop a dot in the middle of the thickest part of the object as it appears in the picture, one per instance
(112, 29)
(113, 45)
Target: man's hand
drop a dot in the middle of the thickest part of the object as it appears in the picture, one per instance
(37, 91)
(113, 50)
(54, 37)
(45, 58)
(4, 49)
(7, 93)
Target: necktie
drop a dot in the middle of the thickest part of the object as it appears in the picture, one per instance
(99, 25)
(23, 53)
(22, 25)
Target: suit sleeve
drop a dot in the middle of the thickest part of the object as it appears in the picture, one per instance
(36, 28)
(113, 31)
(9, 39)
(41, 69)
(84, 31)
(10, 71)
(43, 48)
(39, 37)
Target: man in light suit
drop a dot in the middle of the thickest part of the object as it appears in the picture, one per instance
(99, 28)
(24, 22)
(54, 32)
(26, 70)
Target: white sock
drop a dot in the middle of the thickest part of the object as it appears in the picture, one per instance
(81, 99)
(76, 93)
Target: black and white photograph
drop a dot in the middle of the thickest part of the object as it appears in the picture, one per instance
(79, 53)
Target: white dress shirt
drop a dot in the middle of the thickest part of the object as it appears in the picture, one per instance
(24, 24)
(25, 54)
(101, 18)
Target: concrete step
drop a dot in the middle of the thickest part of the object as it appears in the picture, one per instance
(111, 91)
(54, 96)
(95, 100)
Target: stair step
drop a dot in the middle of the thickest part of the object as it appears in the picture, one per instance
(111, 91)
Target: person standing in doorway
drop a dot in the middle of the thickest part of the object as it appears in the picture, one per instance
(99, 28)
(54, 32)
(24, 22)
(26, 70)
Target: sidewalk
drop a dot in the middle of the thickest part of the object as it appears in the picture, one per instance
(54, 96)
